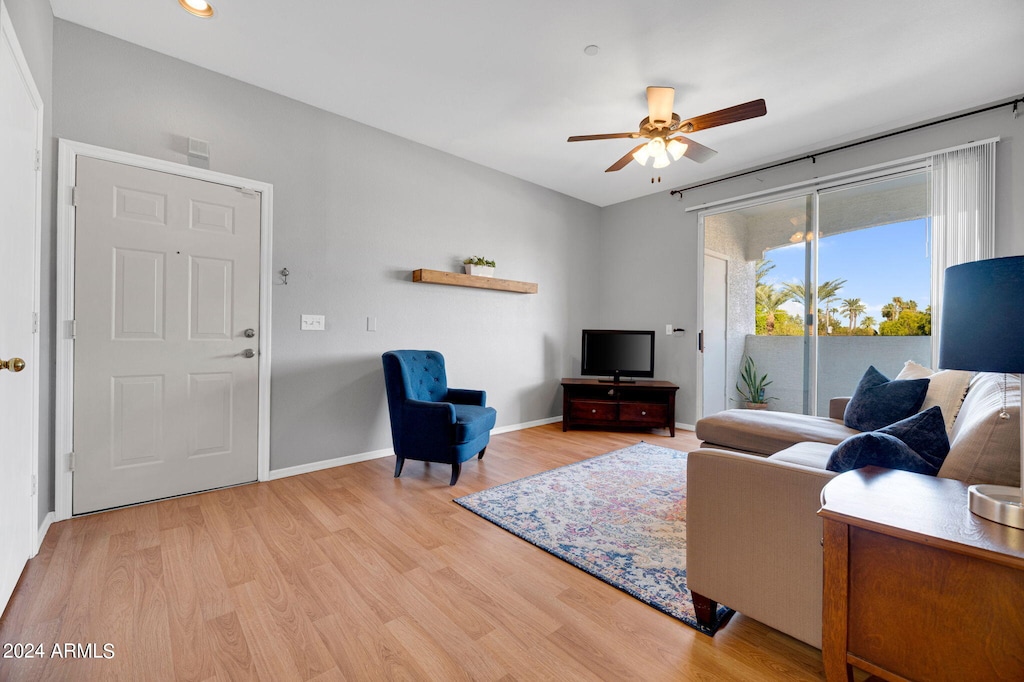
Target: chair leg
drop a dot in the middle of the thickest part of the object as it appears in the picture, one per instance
(480, 455)
(399, 461)
(456, 470)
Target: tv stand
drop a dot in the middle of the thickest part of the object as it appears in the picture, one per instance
(603, 402)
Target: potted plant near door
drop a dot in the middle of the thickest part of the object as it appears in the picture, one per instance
(753, 387)
(479, 266)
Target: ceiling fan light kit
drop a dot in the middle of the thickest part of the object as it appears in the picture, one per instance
(662, 123)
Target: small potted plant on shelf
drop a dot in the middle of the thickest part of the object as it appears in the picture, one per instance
(479, 266)
(753, 387)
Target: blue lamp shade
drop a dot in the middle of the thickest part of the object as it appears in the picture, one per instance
(982, 310)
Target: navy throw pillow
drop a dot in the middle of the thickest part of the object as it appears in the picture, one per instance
(879, 401)
(917, 444)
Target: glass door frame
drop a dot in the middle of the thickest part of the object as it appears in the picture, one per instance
(813, 190)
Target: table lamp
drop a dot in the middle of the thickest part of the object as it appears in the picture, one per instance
(982, 310)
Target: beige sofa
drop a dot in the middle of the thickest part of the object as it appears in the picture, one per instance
(753, 492)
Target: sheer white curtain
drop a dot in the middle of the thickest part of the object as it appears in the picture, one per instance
(963, 216)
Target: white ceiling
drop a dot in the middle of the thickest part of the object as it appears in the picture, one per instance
(504, 84)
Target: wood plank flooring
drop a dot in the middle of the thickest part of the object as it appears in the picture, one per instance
(350, 574)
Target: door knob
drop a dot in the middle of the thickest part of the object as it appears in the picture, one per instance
(14, 364)
(249, 353)
(249, 333)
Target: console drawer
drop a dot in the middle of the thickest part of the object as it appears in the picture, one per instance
(644, 413)
(593, 410)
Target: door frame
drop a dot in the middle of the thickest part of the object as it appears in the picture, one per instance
(704, 341)
(36, 524)
(68, 153)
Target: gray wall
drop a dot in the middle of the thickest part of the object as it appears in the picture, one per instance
(355, 211)
(658, 229)
(33, 24)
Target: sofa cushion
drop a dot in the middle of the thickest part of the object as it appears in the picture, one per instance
(917, 443)
(985, 448)
(765, 432)
(813, 455)
(472, 421)
(946, 388)
(879, 401)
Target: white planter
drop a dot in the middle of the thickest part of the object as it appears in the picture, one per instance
(479, 270)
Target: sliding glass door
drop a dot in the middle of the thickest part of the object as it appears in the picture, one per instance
(822, 285)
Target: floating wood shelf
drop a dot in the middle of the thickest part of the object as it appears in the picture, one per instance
(457, 279)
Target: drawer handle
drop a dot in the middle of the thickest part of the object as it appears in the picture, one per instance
(643, 413)
(593, 412)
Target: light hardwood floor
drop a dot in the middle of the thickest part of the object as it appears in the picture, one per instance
(350, 574)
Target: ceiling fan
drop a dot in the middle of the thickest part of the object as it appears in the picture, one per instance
(662, 128)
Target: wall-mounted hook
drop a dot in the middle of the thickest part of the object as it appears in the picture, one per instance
(284, 275)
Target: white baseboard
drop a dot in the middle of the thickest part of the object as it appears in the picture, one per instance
(386, 452)
(525, 425)
(43, 528)
(686, 427)
(329, 463)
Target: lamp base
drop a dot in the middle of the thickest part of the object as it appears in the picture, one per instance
(999, 503)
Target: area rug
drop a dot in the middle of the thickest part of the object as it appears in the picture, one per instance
(620, 517)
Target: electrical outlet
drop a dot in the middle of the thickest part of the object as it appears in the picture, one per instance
(313, 323)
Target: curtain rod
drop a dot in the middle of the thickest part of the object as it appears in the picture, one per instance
(813, 156)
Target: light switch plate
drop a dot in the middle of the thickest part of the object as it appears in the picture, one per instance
(313, 323)
(668, 329)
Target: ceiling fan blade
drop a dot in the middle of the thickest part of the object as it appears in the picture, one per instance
(606, 136)
(740, 112)
(695, 151)
(624, 161)
(659, 104)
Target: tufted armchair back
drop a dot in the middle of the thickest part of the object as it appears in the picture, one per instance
(423, 375)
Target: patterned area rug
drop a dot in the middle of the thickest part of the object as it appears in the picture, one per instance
(620, 517)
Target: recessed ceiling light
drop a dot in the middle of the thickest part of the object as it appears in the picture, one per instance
(199, 8)
(591, 50)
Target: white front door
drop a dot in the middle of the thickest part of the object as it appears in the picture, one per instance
(166, 330)
(716, 301)
(20, 110)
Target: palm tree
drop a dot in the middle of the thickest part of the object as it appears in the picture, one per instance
(762, 267)
(770, 299)
(826, 294)
(868, 323)
(852, 307)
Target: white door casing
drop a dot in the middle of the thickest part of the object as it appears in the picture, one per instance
(160, 319)
(21, 126)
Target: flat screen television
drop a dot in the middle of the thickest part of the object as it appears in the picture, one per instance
(617, 353)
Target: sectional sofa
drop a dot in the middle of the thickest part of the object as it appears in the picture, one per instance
(753, 492)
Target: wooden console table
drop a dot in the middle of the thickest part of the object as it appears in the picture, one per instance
(640, 404)
(917, 587)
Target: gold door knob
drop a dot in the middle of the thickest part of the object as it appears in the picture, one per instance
(14, 364)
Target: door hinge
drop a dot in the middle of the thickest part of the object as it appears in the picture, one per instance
(74, 328)
(248, 191)
(74, 196)
(39, 159)
(35, 485)
(35, 323)
(71, 461)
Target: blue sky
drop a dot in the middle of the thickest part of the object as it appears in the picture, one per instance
(877, 264)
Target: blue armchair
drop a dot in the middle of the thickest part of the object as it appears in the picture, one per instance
(429, 421)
